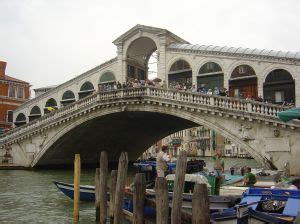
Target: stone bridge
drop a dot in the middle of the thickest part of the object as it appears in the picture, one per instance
(133, 119)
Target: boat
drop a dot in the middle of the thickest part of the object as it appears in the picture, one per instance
(87, 192)
(261, 205)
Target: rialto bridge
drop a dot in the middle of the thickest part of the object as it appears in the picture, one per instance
(88, 120)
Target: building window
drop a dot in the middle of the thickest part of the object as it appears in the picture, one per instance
(12, 91)
(9, 116)
(20, 93)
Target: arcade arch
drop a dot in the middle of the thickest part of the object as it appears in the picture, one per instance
(35, 113)
(67, 98)
(86, 89)
(210, 76)
(51, 103)
(106, 81)
(20, 120)
(180, 74)
(279, 87)
(243, 82)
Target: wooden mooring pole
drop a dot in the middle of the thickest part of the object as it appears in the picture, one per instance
(103, 187)
(178, 188)
(77, 168)
(200, 205)
(97, 194)
(139, 198)
(162, 201)
(113, 183)
(121, 181)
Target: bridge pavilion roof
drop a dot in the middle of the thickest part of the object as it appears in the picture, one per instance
(236, 51)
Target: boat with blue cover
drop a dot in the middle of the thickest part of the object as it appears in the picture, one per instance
(261, 205)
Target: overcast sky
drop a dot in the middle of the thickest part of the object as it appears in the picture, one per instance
(47, 42)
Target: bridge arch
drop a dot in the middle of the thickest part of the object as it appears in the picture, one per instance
(106, 80)
(279, 87)
(183, 119)
(86, 89)
(180, 72)
(243, 82)
(20, 120)
(67, 98)
(210, 75)
(35, 113)
(137, 56)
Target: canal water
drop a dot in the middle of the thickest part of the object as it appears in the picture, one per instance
(31, 197)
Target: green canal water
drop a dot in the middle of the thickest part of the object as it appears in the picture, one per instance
(31, 197)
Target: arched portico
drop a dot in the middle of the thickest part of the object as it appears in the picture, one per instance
(137, 56)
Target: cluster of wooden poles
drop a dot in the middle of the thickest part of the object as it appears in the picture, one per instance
(200, 200)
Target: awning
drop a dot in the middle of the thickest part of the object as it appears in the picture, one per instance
(290, 114)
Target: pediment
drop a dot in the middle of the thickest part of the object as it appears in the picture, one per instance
(171, 37)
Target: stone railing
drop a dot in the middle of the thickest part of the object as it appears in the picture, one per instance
(180, 97)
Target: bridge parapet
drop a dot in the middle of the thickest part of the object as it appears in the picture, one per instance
(196, 101)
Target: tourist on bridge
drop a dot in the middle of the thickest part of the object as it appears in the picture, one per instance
(249, 178)
(161, 161)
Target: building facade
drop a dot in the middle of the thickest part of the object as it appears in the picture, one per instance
(13, 92)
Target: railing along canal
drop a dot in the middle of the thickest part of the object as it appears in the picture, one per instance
(233, 104)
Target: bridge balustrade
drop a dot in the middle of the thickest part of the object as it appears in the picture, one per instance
(234, 104)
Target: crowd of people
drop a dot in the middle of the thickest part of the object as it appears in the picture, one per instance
(216, 91)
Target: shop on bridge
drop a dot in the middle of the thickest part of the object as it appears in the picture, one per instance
(243, 82)
(279, 87)
(210, 76)
(180, 74)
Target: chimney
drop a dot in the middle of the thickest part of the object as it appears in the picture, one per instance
(2, 68)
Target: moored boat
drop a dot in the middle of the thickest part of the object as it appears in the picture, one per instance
(87, 192)
(260, 205)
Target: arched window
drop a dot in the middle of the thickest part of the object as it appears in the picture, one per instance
(86, 89)
(35, 113)
(210, 76)
(20, 120)
(67, 98)
(50, 105)
(180, 65)
(279, 87)
(106, 81)
(180, 75)
(243, 82)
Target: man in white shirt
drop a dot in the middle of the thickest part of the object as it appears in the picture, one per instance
(161, 161)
